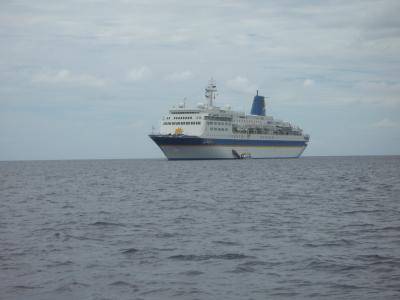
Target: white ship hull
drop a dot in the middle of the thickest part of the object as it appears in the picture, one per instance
(192, 147)
(179, 152)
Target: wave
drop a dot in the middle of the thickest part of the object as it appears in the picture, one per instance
(130, 251)
(102, 223)
(193, 257)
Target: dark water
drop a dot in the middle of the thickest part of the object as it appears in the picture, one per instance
(151, 229)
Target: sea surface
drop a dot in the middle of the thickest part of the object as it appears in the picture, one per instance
(314, 227)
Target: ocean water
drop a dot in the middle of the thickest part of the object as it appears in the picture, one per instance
(314, 227)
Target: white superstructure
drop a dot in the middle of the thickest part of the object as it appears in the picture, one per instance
(211, 132)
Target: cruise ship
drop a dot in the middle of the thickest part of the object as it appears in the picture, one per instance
(212, 132)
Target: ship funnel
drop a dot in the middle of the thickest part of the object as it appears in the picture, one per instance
(258, 107)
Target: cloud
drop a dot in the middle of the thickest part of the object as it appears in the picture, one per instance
(308, 82)
(179, 76)
(386, 123)
(142, 73)
(67, 77)
(381, 92)
(241, 84)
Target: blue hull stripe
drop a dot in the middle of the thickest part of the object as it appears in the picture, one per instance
(162, 140)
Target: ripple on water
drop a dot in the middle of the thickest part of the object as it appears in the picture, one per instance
(124, 284)
(106, 224)
(129, 251)
(193, 257)
(192, 273)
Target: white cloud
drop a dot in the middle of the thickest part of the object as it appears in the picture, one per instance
(142, 73)
(66, 77)
(241, 84)
(381, 92)
(308, 82)
(386, 123)
(179, 76)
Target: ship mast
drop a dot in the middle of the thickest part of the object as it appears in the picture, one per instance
(211, 92)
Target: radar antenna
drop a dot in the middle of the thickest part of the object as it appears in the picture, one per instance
(211, 92)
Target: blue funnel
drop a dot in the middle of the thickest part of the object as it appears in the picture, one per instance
(258, 107)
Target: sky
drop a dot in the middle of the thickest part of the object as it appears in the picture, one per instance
(88, 79)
